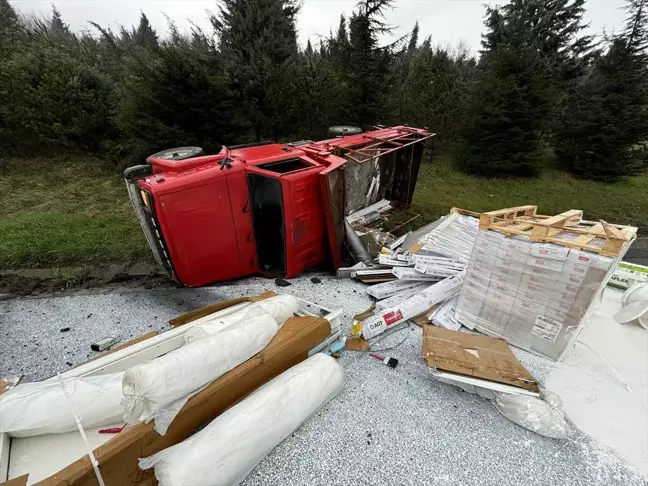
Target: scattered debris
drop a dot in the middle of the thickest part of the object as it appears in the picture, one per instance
(315, 280)
(65, 329)
(391, 362)
(104, 343)
(280, 282)
(8, 382)
(356, 344)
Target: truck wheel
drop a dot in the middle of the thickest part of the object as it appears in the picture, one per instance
(341, 130)
(178, 153)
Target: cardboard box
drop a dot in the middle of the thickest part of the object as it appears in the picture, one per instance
(545, 263)
(548, 250)
(475, 356)
(553, 282)
(543, 283)
(412, 307)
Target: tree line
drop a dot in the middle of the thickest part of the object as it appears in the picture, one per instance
(539, 83)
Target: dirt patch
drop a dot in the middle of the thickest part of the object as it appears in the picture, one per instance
(41, 281)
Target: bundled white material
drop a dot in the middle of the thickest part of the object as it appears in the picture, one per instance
(542, 415)
(400, 296)
(444, 315)
(388, 289)
(280, 307)
(42, 408)
(454, 237)
(412, 307)
(151, 390)
(227, 450)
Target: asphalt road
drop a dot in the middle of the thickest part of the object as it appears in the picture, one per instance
(387, 427)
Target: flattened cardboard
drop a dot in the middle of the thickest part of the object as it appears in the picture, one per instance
(356, 344)
(447, 351)
(21, 481)
(118, 458)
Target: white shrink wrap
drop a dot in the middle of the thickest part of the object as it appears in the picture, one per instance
(42, 408)
(280, 307)
(158, 389)
(231, 446)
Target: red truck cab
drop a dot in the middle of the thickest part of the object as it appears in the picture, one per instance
(276, 209)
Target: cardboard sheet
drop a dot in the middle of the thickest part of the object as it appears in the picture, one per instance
(473, 355)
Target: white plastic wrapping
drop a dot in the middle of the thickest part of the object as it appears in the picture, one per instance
(280, 307)
(41, 408)
(542, 415)
(150, 387)
(231, 446)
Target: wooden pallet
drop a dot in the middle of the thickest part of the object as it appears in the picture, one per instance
(567, 229)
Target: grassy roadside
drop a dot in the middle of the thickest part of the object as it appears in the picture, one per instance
(441, 187)
(71, 211)
(65, 211)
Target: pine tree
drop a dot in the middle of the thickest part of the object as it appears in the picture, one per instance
(413, 42)
(606, 117)
(502, 130)
(532, 50)
(258, 41)
(369, 63)
(57, 27)
(144, 35)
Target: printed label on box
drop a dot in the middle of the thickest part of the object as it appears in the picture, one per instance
(548, 250)
(393, 317)
(546, 328)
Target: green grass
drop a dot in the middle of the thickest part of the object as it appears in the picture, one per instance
(72, 211)
(440, 186)
(65, 211)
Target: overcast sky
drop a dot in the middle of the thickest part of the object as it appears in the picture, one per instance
(447, 21)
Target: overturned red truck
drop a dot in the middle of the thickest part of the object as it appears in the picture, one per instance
(275, 209)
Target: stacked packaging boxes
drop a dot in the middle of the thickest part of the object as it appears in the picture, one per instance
(534, 295)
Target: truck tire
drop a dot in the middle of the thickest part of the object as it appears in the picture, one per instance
(178, 153)
(342, 130)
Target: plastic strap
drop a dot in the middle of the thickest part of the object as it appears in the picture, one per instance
(93, 460)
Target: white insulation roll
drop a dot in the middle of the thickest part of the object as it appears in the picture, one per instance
(280, 307)
(151, 386)
(231, 446)
(42, 408)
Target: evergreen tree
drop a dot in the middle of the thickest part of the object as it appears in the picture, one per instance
(144, 35)
(57, 27)
(532, 50)
(503, 127)
(606, 118)
(258, 42)
(174, 96)
(369, 63)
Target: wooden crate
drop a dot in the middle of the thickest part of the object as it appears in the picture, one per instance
(567, 229)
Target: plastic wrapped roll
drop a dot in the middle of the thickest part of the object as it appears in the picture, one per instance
(150, 386)
(280, 307)
(231, 446)
(42, 408)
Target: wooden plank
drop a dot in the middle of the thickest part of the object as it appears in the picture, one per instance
(218, 306)
(561, 219)
(584, 239)
(118, 458)
(613, 232)
(465, 212)
(486, 219)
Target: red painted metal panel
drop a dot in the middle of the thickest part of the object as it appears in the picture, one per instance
(200, 233)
